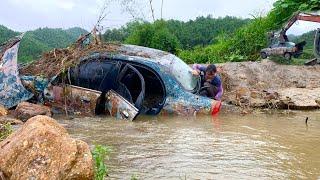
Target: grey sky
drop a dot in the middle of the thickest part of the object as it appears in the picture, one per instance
(23, 15)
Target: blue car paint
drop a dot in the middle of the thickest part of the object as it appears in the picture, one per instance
(12, 92)
(178, 100)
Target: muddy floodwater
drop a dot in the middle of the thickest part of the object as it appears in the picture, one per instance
(230, 146)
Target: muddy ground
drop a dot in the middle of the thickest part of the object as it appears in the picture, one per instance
(267, 84)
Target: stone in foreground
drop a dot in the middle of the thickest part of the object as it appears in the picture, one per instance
(42, 149)
(27, 110)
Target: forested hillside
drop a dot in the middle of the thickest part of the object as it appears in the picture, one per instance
(180, 35)
(6, 34)
(34, 43)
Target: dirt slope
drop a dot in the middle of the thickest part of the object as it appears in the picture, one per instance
(271, 85)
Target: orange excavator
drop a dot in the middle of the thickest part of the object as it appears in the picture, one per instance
(280, 44)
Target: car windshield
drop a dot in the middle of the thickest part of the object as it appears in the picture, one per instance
(178, 68)
(182, 72)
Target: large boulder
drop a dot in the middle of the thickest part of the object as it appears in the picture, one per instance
(27, 110)
(42, 149)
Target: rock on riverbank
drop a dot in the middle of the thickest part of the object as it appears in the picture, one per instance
(42, 149)
(25, 111)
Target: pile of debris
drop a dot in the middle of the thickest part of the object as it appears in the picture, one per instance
(55, 61)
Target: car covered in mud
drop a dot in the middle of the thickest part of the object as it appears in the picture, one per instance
(123, 81)
(284, 49)
(128, 85)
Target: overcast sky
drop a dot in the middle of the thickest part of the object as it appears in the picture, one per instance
(23, 15)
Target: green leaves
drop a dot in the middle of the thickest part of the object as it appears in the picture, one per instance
(303, 6)
(5, 131)
(155, 35)
(100, 154)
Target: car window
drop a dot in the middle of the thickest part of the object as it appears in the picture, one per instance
(181, 71)
(96, 75)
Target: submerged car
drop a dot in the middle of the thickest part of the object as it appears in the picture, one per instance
(127, 85)
(124, 83)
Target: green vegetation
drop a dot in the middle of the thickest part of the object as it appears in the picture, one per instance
(308, 37)
(41, 40)
(5, 131)
(100, 153)
(6, 34)
(134, 177)
(308, 49)
(247, 41)
(207, 39)
(203, 40)
(155, 35)
(199, 32)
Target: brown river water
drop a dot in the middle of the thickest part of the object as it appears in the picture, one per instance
(257, 146)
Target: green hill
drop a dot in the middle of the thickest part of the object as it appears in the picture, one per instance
(199, 32)
(6, 34)
(34, 43)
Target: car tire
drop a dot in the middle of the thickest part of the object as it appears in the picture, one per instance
(263, 55)
(287, 56)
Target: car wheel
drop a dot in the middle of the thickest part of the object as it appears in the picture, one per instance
(263, 55)
(287, 56)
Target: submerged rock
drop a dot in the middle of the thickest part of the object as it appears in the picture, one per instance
(27, 110)
(267, 84)
(42, 149)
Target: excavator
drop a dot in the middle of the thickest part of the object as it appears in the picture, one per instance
(281, 46)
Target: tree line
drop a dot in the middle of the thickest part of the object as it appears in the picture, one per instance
(174, 35)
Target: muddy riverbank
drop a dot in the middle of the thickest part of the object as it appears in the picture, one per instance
(267, 84)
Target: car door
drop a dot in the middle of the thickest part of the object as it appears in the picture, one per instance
(125, 102)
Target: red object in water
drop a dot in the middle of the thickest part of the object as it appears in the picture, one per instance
(216, 108)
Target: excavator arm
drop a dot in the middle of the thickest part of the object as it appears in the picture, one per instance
(281, 38)
(298, 16)
(303, 17)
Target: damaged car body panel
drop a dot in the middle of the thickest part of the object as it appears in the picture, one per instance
(12, 92)
(120, 107)
(73, 99)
